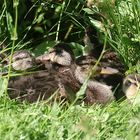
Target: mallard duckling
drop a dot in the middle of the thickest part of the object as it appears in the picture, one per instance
(61, 58)
(131, 87)
(96, 92)
(111, 59)
(22, 60)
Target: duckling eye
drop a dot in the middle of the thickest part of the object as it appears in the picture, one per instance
(16, 59)
(19, 58)
(128, 83)
(28, 62)
(83, 68)
(58, 51)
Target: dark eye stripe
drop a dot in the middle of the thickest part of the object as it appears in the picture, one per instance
(128, 83)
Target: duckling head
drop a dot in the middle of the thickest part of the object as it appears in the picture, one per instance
(92, 44)
(22, 60)
(85, 65)
(60, 54)
(131, 87)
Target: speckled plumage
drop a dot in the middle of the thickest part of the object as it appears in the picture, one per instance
(22, 60)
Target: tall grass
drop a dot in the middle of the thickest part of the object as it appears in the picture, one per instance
(74, 122)
(125, 30)
(121, 21)
(40, 121)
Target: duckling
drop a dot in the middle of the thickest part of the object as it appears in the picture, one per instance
(111, 59)
(131, 87)
(22, 60)
(114, 79)
(86, 63)
(62, 60)
(97, 92)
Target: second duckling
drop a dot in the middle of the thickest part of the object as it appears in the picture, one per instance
(96, 92)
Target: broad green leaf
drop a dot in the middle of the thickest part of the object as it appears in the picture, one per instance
(82, 90)
(43, 47)
(39, 29)
(10, 25)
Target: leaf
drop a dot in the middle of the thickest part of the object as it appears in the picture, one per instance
(77, 48)
(9, 24)
(88, 11)
(39, 29)
(98, 24)
(82, 90)
(43, 47)
(40, 18)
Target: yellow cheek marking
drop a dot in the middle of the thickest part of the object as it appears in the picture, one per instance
(53, 57)
(132, 91)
